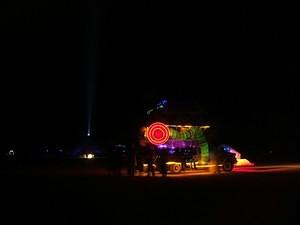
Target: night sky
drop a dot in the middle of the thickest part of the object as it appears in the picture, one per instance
(239, 63)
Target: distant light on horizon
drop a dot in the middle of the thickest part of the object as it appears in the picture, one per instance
(88, 133)
(90, 156)
(11, 152)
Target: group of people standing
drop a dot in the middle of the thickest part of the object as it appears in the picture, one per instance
(155, 160)
(135, 158)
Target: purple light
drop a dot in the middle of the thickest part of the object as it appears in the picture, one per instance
(162, 146)
(171, 151)
(177, 144)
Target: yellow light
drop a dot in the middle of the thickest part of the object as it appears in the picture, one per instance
(188, 126)
(171, 162)
(90, 156)
(244, 162)
(205, 127)
(206, 166)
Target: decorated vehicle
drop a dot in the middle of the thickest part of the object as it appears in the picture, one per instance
(186, 147)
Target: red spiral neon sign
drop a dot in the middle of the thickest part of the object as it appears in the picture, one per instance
(157, 133)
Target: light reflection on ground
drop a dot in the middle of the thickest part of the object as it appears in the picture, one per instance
(96, 171)
(268, 168)
(280, 168)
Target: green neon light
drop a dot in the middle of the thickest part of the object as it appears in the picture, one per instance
(192, 133)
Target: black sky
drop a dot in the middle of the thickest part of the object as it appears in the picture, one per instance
(238, 61)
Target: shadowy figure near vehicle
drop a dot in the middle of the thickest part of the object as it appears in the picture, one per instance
(115, 161)
(163, 162)
(215, 159)
(150, 159)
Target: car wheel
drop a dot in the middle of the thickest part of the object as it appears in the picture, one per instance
(227, 165)
(177, 168)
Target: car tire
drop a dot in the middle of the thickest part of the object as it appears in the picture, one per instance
(177, 168)
(227, 165)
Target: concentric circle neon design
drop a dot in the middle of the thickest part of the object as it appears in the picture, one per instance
(158, 133)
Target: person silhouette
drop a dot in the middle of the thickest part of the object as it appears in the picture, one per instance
(214, 156)
(150, 159)
(163, 162)
(116, 161)
(131, 160)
